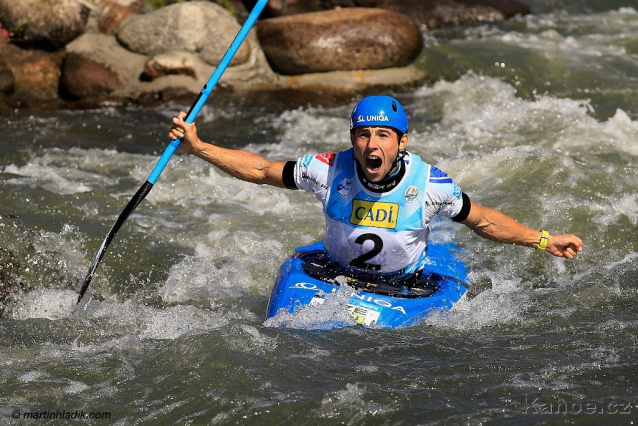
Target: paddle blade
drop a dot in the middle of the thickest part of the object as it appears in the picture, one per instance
(132, 205)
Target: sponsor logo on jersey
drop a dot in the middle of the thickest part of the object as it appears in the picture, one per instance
(326, 158)
(313, 180)
(439, 203)
(344, 186)
(375, 214)
(411, 193)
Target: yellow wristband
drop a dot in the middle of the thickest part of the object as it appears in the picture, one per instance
(542, 244)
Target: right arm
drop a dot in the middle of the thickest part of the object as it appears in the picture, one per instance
(241, 164)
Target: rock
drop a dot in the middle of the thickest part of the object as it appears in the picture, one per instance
(508, 7)
(106, 53)
(276, 8)
(176, 64)
(48, 24)
(431, 13)
(451, 15)
(137, 88)
(83, 77)
(344, 39)
(176, 94)
(198, 27)
(36, 74)
(112, 15)
(5, 107)
(7, 81)
(342, 83)
(237, 8)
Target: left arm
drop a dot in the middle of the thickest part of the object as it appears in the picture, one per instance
(496, 226)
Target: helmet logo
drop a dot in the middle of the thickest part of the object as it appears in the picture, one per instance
(379, 111)
(377, 118)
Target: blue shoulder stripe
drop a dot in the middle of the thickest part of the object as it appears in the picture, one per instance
(439, 176)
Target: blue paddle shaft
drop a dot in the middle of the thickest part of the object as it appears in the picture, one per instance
(172, 146)
(208, 87)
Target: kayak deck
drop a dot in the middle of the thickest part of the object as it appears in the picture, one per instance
(308, 278)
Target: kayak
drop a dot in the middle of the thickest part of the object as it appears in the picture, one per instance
(309, 278)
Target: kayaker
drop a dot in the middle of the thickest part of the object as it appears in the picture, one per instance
(378, 198)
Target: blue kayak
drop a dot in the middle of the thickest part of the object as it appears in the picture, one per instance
(309, 278)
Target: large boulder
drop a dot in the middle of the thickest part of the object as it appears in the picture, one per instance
(276, 8)
(198, 27)
(163, 76)
(84, 76)
(48, 24)
(99, 66)
(36, 75)
(339, 40)
(445, 13)
(508, 7)
(429, 13)
(451, 14)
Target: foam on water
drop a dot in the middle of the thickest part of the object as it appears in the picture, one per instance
(149, 323)
(64, 172)
(504, 304)
(350, 403)
(484, 112)
(192, 183)
(306, 131)
(237, 252)
(323, 315)
(48, 304)
(225, 273)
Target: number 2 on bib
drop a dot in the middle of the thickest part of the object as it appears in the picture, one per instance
(360, 262)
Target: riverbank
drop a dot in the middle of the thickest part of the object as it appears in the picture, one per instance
(119, 52)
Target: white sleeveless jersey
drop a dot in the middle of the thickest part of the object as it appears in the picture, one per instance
(372, 232)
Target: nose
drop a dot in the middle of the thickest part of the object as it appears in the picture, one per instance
(374, 141)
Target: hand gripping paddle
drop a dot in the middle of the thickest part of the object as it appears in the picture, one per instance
(172, 146)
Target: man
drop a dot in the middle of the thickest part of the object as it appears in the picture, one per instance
(378, 198)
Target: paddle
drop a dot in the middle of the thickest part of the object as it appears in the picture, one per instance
(172, 146)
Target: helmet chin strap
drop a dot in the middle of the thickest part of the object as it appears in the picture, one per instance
(396, 161)
(388, 182)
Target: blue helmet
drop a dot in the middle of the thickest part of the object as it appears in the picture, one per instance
(379, 111)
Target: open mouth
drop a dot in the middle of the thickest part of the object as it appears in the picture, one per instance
(373, 163)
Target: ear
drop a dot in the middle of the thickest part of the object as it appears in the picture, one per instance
(403, 142)
(352, 138)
